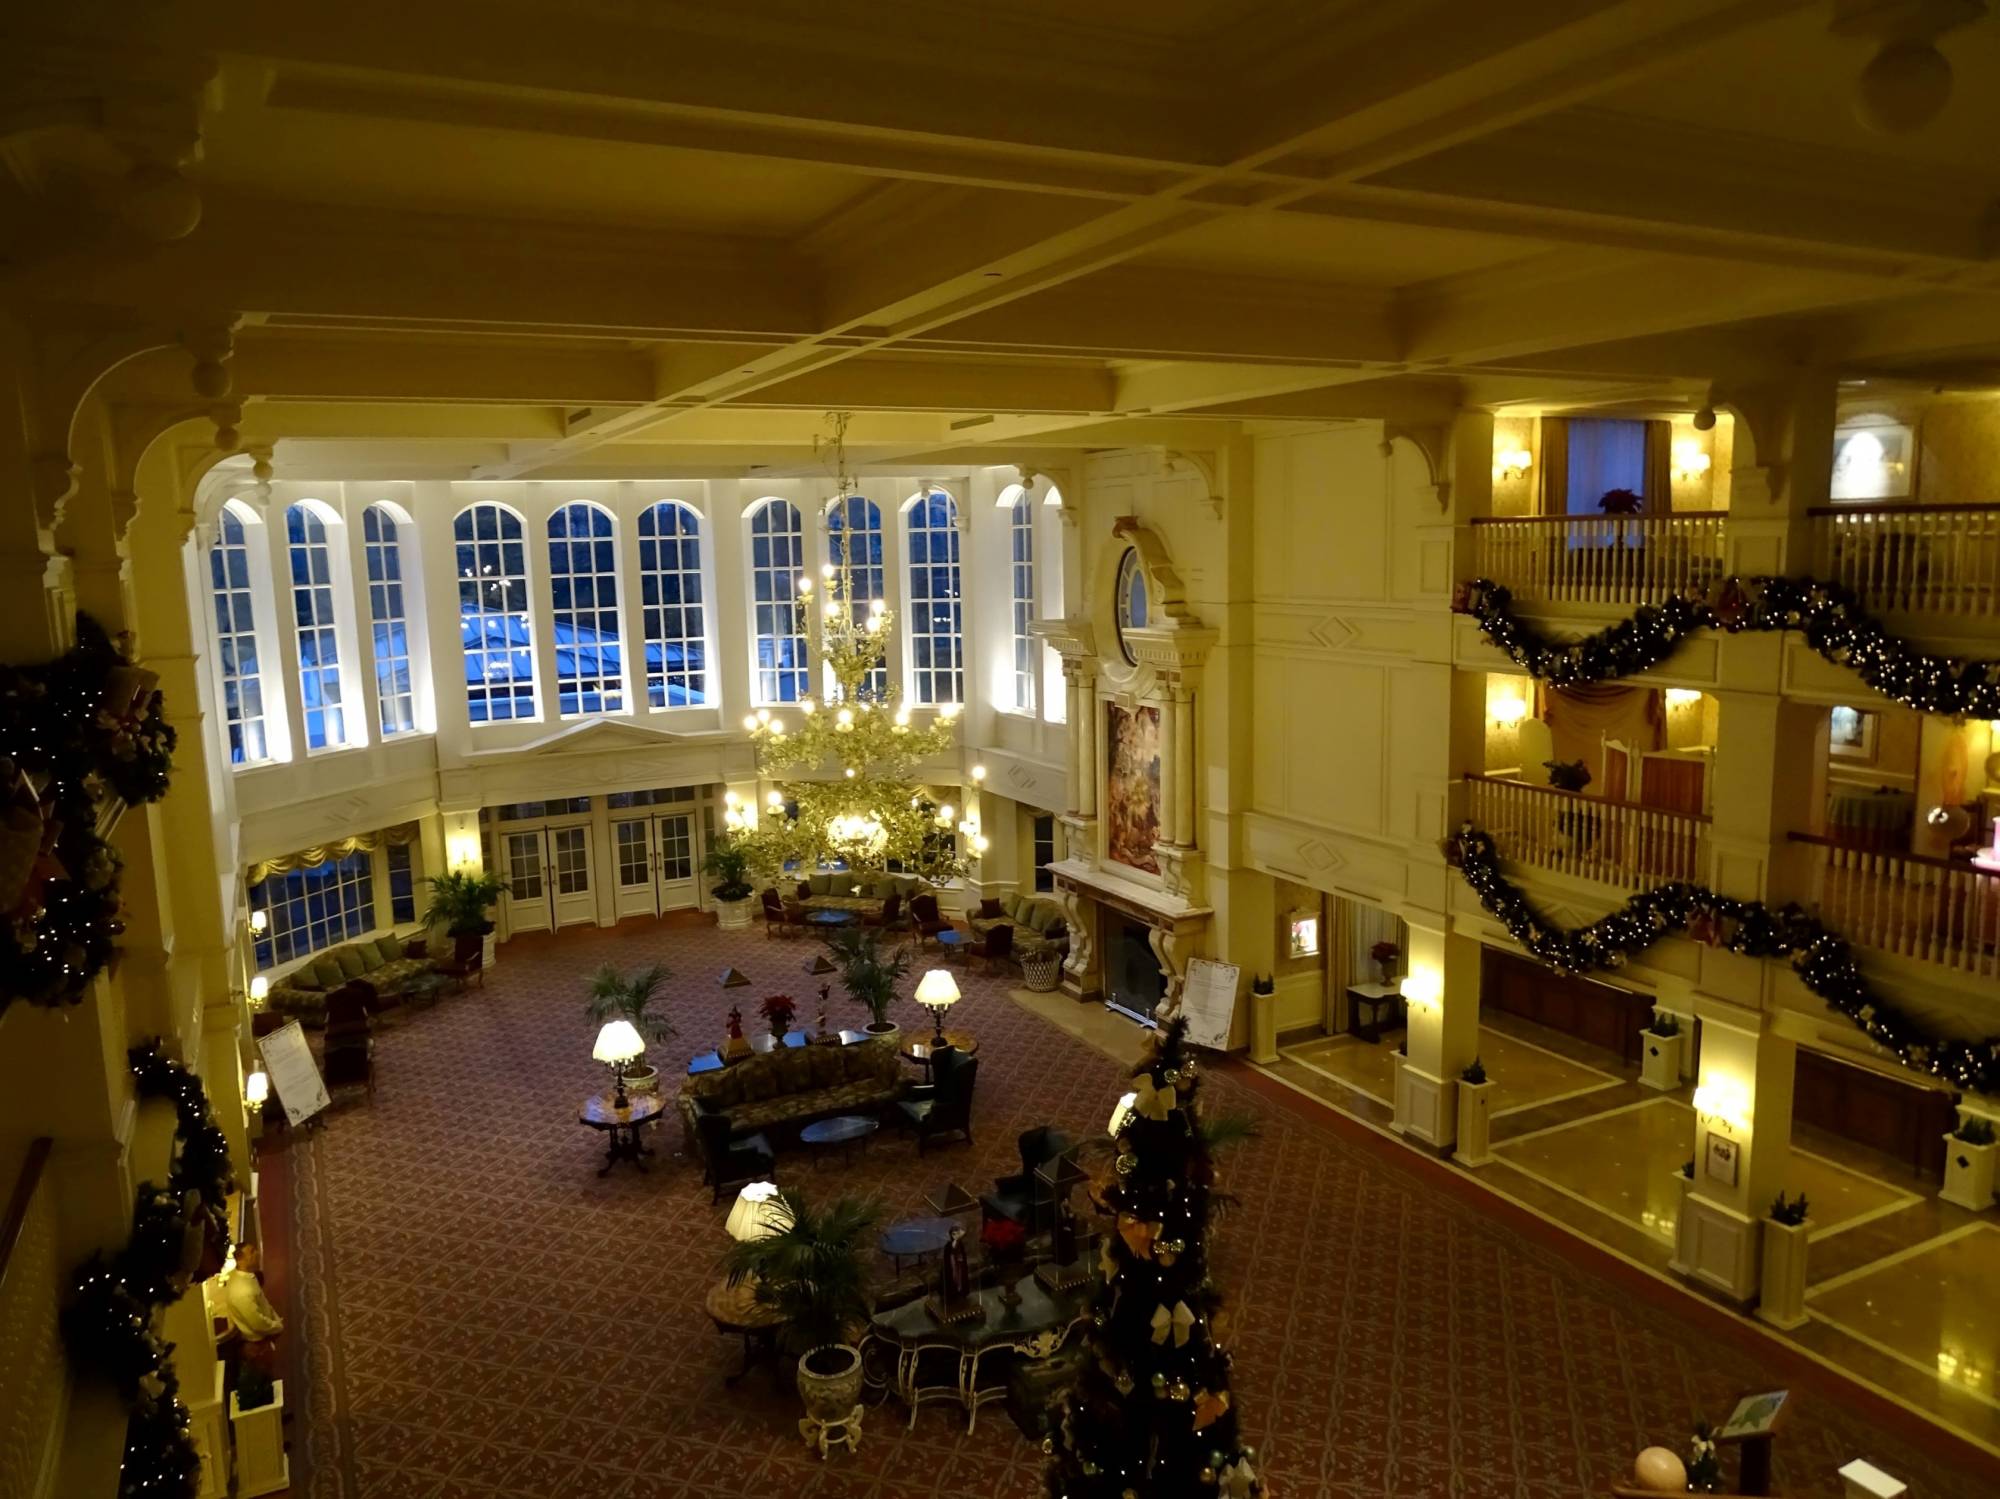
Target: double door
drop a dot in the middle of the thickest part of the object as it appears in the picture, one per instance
(655, 858)
(548, 878)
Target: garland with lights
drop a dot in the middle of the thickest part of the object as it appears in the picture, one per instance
(1833, 622)
(75, 733)
(1150, 1412)
(108, 1318)
(1822, 960)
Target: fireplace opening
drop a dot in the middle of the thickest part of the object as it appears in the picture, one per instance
(1134, 984)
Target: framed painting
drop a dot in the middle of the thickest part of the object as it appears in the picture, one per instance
(1132, 785)
(1851, 733)
(1874, 461)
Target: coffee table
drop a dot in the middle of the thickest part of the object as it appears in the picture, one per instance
(953, 941)
(916, 1239)
(621, 1126)
(831, 919)
(424, 988)
(845, 1131)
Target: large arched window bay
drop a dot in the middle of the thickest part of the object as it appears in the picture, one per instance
(494, 620)
(673, 615)
(936, 613)
(778, 643)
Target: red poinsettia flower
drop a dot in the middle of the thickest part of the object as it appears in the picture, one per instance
(778, 1007)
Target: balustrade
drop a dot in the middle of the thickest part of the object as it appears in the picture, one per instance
(1933, 559)
(1933, 910)
(1614, 843)
(1599, 559)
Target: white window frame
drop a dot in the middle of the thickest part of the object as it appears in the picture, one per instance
(338, 627)
(526, 612)
(399, 543)
(262, 636)
(1025, 649)
(918, 628)
(784, 588)
(871, 576)
(704, 607)
(613, 686)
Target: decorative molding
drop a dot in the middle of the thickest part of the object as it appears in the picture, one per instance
(1432, 440)
(1203, 466)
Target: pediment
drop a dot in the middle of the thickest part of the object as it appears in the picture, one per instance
(590, 738)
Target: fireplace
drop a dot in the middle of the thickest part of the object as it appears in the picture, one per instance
(1134, 984)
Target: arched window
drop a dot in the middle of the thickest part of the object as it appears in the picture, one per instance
(777, 558)
(1021, 592)
(937, 640)
(236, 640)
(854, 541)
(493, 614)
(395, 691)
(671, 606)
(319, 642)
(583, 583)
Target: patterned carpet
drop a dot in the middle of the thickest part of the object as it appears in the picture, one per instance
(477, 1314)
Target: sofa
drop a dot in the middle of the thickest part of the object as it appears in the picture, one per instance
(387, 963)
(1039, 923)
(834, 891)
(793, 1085)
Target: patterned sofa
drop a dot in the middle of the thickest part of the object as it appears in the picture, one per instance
(835, 891)
(793, 1085)
(1038, 922)
(388, 962)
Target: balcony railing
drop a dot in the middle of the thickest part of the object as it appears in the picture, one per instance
(1933, 910)
(1934, 559)
(1564, 832)
(1599, 559)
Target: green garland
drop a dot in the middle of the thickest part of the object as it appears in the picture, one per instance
(85, 727)
(108, 1319)
(1823, 961)
(1832, 620)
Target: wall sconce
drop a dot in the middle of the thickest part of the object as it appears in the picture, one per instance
(1508, 711)
(1422, 990)
(258, 921)
(257, 1088)
(1512, 464)
(1724, 1104)
(1682, 697)
(260, 989)
(1691, 461)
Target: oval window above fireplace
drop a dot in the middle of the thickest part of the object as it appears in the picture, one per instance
(1132, 601)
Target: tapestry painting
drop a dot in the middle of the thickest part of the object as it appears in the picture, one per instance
(1132, 785)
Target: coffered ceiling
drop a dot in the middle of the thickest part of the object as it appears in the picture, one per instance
(509, 239)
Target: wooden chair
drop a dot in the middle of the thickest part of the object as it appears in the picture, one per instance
(942, 1106)
(891, 914)
(998, 948)
(777, 917)
(726, 1161)
(1019, 1198)
(926, 918)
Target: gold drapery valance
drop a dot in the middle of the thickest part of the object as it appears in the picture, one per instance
(306, 858)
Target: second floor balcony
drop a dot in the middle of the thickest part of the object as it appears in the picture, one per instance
(1626, 845)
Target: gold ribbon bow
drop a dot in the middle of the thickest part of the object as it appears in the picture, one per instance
(1208, 1407)
(1138, 1235)
(1179, 1322)
(1239, 1479)
(1153, 1100)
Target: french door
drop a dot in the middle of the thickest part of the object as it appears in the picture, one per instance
(548, 878)
(656, 863)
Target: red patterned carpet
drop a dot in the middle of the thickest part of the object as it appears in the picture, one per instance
(477, 1314)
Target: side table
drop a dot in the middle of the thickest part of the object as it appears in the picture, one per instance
(621, 1127)
(846, 1432)
(1380, 1004)
(736, 1312)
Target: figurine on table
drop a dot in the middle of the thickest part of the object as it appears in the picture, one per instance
(957, 1284)
(735, 1045)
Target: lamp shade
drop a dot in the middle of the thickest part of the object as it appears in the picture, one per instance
(937, 990)
(257, 1087)
(619, 1042)
(258, 921)
(757, 1213)
(1122, 1112)
(260, 987)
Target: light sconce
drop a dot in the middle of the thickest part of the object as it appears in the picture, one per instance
(1122, 1111)
(1512, 464)
(462, 849)
(260, 990)
(978, 773)
(1682, 697)
(1725, 1104)
(257, 1088)
(1691, 462)
(1509, 711)
(1422, 990)
(258, 921)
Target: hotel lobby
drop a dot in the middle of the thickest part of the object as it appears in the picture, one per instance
(1237, 750)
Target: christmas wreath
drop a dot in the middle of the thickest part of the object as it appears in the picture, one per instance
(1823, 961)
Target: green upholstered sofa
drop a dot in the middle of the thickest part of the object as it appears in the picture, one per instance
(1038, 922)
(794, 1085)
(388, 962)
(835, 891)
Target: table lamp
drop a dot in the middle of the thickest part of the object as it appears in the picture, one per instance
(937, 992)
(617, 1044)
(757, 1213)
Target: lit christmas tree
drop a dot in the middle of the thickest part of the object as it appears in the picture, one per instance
(1150, 1415)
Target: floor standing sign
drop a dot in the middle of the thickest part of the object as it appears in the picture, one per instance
(293, 1072)
(1208, 999)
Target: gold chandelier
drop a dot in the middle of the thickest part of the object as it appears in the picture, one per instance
(850, 794)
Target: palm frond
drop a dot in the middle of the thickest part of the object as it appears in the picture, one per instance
(1219, 1131)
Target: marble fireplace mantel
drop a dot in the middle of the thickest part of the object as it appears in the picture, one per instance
(1175, 925)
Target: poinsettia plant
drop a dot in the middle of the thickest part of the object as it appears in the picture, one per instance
(1384, 952)
(779, 1010)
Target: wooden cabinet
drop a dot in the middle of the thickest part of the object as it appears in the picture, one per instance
(1903, 1120)
(1604, 1016)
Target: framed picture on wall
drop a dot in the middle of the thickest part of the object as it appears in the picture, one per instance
(1851, 734)
(1874, 460)
(1722, 1160)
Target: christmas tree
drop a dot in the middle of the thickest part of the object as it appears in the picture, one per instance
(1150, 1415)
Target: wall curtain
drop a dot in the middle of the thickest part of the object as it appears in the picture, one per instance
(1553, 496)
(1581, 718)
(306, 858)
(1659, 490)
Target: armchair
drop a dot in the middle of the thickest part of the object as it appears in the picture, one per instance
(891, 914)
(774, 913)
(1021, 1198)
(998, 948)
(942, 1107)
(925, 917)
(727, 1162)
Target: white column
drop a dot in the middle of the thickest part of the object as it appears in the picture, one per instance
(1171, 768)
(1442, 1016)
(1185, 783)
(1085, 731)
(360, 662)
(285, 612)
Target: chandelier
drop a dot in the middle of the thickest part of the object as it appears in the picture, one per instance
(847, 765)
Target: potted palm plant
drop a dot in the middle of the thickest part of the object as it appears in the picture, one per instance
(619, 996)
(460, 900)
(728, 863)
(870, 974)
(812, 1271)
(1475, 1125)
(1781, 1296)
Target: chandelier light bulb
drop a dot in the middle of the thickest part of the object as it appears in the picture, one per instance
(826, 569)
(729, 798)
(763, 715)
(947, 711)
(776, 799)
(844, 718)
(979, 772)
(832, 610)
(979, 845)
(874, 624)
(850, 772)
(750, 722)
(947, 812)
(805, 584)
(875, 606)
(807, 705)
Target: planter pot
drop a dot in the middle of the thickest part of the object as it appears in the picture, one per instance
(465, 944)
(1475, 1102)
(830, 1381)
(1781, 1299)
(883, 1030)
(1041, 972)
(732, 915)
(1968, 1174)
(259, 1439)
(642, 1079)
(1660, 1061)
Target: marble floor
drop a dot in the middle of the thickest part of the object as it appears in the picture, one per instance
(1524, 1075)
(1924, 1307)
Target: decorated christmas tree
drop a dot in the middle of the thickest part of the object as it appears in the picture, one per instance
(1150, 1415)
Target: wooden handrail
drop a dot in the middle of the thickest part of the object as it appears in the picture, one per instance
(1585, 796)
(23, 1195)
(1889, 853)
(1899, 510)
(1558, 520)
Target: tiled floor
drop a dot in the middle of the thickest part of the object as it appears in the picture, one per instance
(1930, 1307)
(1524, 1075)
